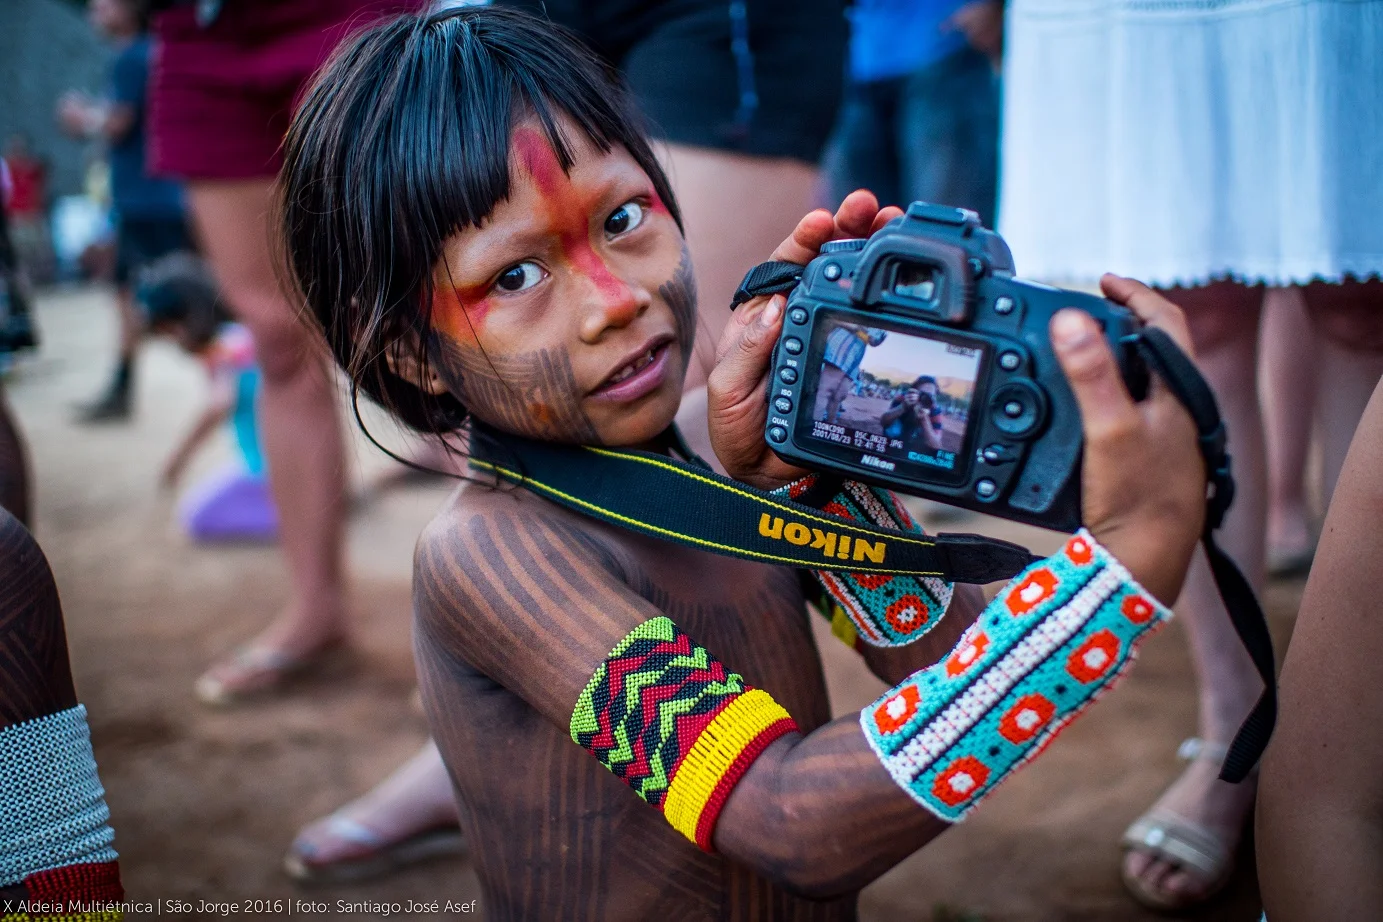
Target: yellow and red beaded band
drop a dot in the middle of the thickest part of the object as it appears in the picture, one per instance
(669, 720)
(719, 758)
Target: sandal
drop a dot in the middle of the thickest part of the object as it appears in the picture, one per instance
(1180, 841)
(258, 670)
(372, 855)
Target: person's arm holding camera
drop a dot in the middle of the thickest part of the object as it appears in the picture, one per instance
(1144, 488)
(1320, 797)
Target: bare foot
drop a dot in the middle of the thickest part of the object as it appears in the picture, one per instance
(1220, 809)
(408, 817)
(290, 646)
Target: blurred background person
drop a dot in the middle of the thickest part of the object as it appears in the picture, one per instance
(920, 118)
(28, 210)
(149, 217)
(224, 85)
(1250, 161)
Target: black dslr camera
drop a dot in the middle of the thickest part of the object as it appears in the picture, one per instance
(916, 361)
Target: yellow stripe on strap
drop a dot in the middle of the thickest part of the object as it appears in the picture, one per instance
(715, 750)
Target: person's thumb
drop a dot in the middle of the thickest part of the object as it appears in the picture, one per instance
(1106, 410)
(743, 364)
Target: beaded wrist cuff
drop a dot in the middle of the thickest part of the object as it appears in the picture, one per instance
(1057, 636)
(880, 610)
(54, 824)
(674, 724)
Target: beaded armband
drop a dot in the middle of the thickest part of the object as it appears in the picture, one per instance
(667, 718)
(1057, 636)
(880, 610)
(54, 824)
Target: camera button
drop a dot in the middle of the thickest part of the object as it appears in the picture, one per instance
(1018, 409)
(777, 434)
(986, 488)
(783, 405)
(1010, 360)
(1004, 305)
(997, 454)
(787, 375)
(793, 345)
(831, 272)
(797, 315)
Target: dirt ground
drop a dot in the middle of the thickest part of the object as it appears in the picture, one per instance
(205, 802)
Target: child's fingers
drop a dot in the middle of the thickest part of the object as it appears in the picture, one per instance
(883, 217)
(1151, 308)
(739, 321)
(743, 357)
(1106, 409)
(856, 214)
(811, 232)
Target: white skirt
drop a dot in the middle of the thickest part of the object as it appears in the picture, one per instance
(1181, 141)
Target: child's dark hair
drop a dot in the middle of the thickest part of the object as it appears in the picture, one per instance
(179, 290)
(403, 141)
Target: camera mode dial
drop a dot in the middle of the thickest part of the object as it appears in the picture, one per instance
(848, 245)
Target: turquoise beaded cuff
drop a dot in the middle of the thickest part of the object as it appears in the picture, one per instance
(1047, 646)
(880, 610)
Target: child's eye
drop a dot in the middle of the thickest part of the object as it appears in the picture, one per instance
(625, 218)
(519, 277)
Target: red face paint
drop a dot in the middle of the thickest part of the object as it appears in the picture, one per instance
(460, 312)
(567, 211)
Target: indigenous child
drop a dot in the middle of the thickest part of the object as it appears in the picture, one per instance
(180, 300)
(475, 217)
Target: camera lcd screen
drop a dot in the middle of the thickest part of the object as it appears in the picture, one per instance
(904, 397)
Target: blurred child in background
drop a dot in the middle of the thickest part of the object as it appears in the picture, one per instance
(181, 302)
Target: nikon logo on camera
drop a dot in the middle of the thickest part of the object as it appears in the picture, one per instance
(841, 547)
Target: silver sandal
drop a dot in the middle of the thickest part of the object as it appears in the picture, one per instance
(1180, 841)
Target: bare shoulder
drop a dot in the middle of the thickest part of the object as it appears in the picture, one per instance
(522, 590)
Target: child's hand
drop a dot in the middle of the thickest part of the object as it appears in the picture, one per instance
(736, 407)
(1143, 481)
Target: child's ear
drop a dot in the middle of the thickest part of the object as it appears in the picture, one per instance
(403, 360)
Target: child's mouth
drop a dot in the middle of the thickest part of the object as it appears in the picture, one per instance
(639, 376)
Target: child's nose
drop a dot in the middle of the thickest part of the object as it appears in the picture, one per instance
(614, 303)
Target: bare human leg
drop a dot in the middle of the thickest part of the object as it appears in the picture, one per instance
(1349, 319)
(736, 209)
(302, 438)
(1287, 392)
(114, 403)
(1224, 327)
(407, 817)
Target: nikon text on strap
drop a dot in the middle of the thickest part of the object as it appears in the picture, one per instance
(690, 504)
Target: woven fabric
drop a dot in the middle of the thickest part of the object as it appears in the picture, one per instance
(718, 759)
(52, 806)
(661, 704)
(1047, 646)
(883, 611)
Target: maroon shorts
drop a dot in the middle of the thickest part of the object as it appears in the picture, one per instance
(220, 98)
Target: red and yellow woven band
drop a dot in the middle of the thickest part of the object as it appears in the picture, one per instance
(721, 755)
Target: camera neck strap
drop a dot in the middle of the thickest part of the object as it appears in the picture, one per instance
(686, 502)
(1162, 356)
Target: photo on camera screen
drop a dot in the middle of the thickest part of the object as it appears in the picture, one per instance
(896, 395)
